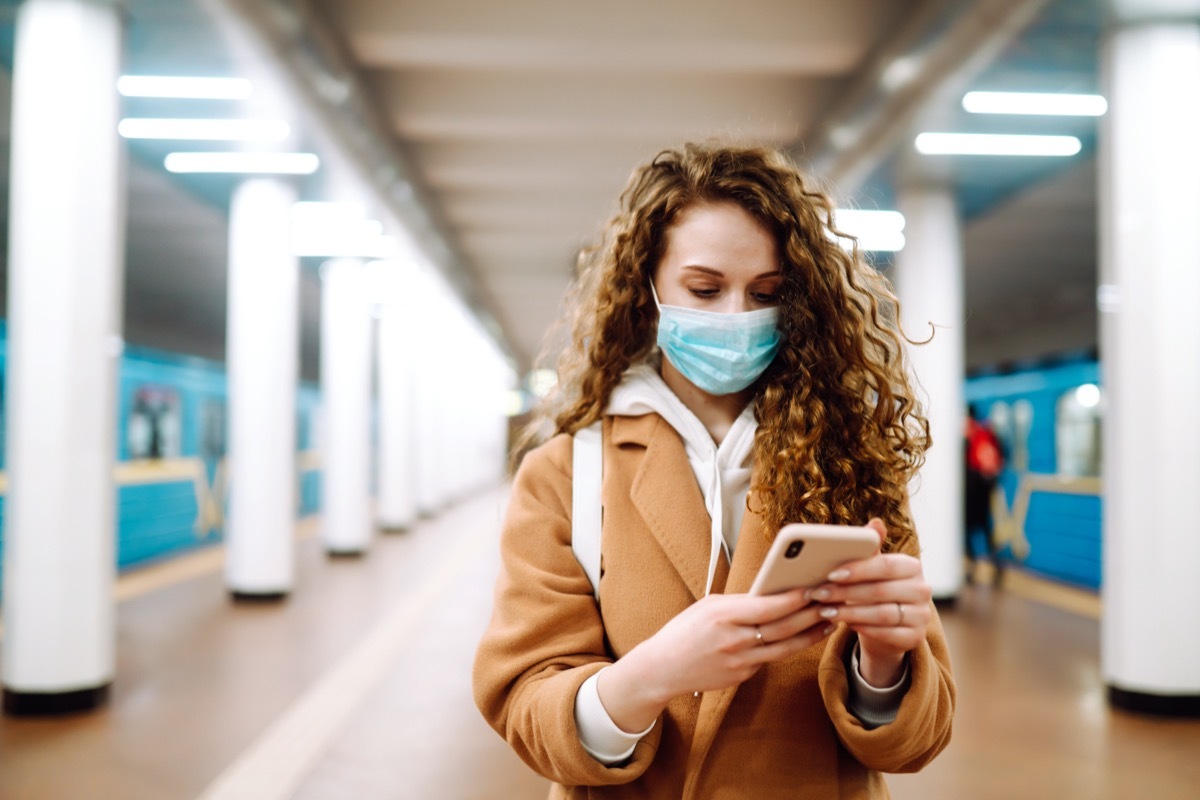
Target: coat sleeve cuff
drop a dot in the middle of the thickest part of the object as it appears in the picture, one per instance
(598, 734)
(872, 706)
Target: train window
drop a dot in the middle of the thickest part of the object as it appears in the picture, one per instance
(154, 427)
(3, 423)
(1077, 431)
(301, 427)
(212, 431)
(1022, 414)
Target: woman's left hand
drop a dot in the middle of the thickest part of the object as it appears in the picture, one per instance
(885, 599)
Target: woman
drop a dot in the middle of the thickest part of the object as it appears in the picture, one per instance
(748, 374)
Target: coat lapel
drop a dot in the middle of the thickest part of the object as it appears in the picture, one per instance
(752, 547)
(665, 493)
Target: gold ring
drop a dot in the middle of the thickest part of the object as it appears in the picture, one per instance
(900, 608)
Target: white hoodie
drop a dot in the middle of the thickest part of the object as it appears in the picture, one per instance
(723, 472)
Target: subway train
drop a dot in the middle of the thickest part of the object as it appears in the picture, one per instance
(170, 467)
(172, 479)
(1047, 507)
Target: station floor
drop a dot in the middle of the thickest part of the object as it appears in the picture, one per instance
(358, 686)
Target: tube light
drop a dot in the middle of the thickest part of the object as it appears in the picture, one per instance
(308, 214)
(875, 230)
(232, 130)
(992, 144)
(190, 88)
(339, 230)
(351, 244)
(1064, 105)
(1088, 395)
(245, 163)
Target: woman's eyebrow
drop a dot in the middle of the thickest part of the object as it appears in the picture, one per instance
(718, 274)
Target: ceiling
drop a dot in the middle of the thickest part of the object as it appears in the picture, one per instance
(502, 133)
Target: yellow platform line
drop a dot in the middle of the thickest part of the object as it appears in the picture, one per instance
(1057, 595)
(179, 568)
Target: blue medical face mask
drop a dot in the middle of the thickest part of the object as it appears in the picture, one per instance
(719, 353)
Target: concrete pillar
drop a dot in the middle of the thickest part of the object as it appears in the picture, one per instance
(66, 226)
(347, 525)
(1149, 169)
(431, 379)
(263, 356)
(399, 340)
(929, 283)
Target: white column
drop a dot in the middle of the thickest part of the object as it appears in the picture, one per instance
(398, 342)
(263, 355)
(346, 401)
(66, 226)
(929, 284)
(1150, 339)
(431, 379)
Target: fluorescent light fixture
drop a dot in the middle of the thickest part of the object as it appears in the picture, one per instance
(875, 230)
(843, 136)
(515, 403)
(230, 130)
(993, 144)
(308, 213)
(190, 88)
(362, 244)
(1088, 395)
(339, 230)
(900, 73)
(244, 163)
(541, 381)
(1061, 105)
(1108, 298)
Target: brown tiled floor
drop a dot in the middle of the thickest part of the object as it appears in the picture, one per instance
(200, 680)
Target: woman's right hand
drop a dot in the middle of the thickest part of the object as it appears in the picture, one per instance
(711, 645)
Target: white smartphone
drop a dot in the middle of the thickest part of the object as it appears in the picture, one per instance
(804, 555)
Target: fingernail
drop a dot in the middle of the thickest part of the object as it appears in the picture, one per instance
(807, 595)
(839, 574)
(828, 613)
(828, 630)
(820, 594)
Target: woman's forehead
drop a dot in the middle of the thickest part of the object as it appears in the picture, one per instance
(720, 236)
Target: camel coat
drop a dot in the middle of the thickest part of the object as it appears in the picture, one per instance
(785, 732)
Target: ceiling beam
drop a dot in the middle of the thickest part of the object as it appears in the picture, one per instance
(392, 51)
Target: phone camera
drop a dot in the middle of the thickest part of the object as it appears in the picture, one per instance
(794, 549)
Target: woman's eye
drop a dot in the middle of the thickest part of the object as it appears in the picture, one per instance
(764, 297)
(703, 292)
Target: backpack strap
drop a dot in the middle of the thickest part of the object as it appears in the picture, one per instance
(587, 461)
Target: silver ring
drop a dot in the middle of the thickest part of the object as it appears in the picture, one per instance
(758, 634)
(900, 608)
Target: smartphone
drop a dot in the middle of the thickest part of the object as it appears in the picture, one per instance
(804, 555)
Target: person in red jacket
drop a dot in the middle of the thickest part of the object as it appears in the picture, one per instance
(984, 462)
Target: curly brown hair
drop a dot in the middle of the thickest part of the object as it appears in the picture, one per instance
(840, 432)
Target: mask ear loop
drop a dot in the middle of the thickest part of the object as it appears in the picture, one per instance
(654, 294)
